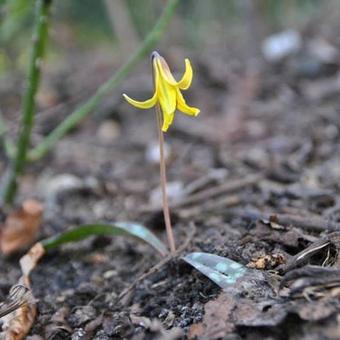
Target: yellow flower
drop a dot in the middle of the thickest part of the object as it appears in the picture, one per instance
(167, 91)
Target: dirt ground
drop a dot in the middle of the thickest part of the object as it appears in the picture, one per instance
(268, 142)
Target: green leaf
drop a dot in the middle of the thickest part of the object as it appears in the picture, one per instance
(116, 229)
(223, 271)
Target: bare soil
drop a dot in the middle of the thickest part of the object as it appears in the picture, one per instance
(276, 133)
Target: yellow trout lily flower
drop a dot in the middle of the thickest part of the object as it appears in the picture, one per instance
(167, 91)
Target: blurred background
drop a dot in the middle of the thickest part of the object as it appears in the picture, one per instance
(120, 24)
(106, 31)
(265, 54)
(267, 82)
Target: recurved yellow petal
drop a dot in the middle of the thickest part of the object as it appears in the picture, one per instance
(167, 96)
(184, 107)
(147, 104)
(165, 72)
(167, 121)
(186, 80)
(167, 91)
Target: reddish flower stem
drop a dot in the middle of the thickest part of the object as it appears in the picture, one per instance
(165, 204)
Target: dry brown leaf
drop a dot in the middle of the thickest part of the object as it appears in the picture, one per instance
(217, 321)
(21, 227)
(19, 309)
(18, 296)
(58, 323)
(267, 261)
(30, 260)
(18, 323)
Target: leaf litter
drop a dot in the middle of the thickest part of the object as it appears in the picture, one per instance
(19, 310)
(21, 227)
(286, 142)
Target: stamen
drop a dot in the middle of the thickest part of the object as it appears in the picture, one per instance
(154, 55)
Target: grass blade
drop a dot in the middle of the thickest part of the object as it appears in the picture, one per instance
(82, 111)
(116, 229)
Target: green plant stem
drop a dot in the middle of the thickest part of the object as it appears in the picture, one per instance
(4, 140)
(28, 105)
(75, 117)
(3, 127)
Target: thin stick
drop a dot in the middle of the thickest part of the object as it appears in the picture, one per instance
(162, 167)
(161, 263)
(6, 142)
(204, 195)
(122, 25)
(28, 104)
(81, 112)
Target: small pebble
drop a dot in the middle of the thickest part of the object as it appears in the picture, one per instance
(152, 152)
(108, 131)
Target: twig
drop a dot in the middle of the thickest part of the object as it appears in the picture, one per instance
(210, 207)
(79, 114)
(28, 104)
(309, 223)
(214, 176)
(310, 271)
(314, 223)
(314, 248)
(225, 188)
(312, 280)
(4, 140)
(122, 24)
(160, 264)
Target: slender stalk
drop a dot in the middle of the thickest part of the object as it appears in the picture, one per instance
(76, 116)
(122, 25)
(3, 127)
(162, 165)
(7, 144)
(28, 105)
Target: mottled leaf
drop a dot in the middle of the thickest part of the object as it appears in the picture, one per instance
(223, 271)
(119, 228)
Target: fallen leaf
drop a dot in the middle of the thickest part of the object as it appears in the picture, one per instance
(317, 310)
(18, 325)
(92, 326)
(20, 314)
(217, 321)
(19, 309)
(267, 261)
(20, 227)
(30, 260)
(268, 313)
(18, 296)
(225, 314)
(58, 324)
